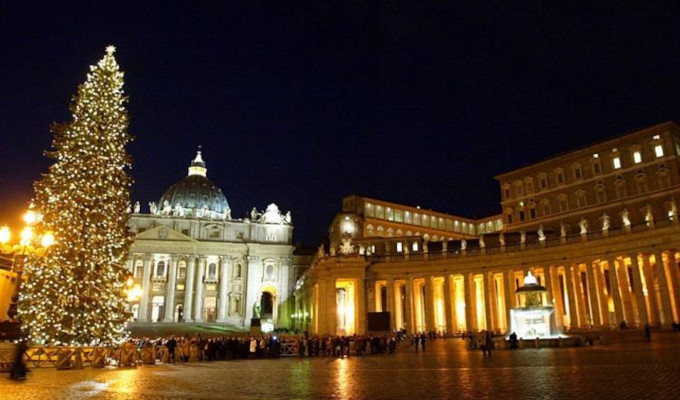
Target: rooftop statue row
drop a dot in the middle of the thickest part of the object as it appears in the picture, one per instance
(271, 215)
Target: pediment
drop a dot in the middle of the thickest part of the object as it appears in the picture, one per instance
(163, 233)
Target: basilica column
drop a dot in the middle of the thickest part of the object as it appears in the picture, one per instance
(225, 261)
(170, 291)
(654, 312)
(595, 308)
(389, 290)
(555, 294)
(189, 289)
(408, 317)
(626, 295)
(430, 304)
(198, 300)
(508, 280)
(616, 292)
(146, 283)
(360, 310)
(489, 297)
(571, 292)
(601, 285)
(580, 297)
(449, 308)
(332, 307)
(470, 305)
(674, 282)
(666, 307)
(637, 286)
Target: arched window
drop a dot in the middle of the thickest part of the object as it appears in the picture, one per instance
(620, 185)
(160, 269)
(600, 192)
(182, 270)
(563, 202)
(545, 206)
(663, 177)
(269, 272)
(641, 180)
(139, 268)
(581, 200)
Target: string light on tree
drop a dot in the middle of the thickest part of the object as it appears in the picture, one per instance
(75, 295)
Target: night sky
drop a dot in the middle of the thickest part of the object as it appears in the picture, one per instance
(301, 105)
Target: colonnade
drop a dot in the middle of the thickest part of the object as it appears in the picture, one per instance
(640, 288)
(194, 285)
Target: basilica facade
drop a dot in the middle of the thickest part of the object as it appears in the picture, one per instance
(193, 262)
(598, 227)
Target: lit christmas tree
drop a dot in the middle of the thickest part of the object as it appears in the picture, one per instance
(75, 293)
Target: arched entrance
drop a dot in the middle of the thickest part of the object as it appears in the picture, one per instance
(266, 305)
(157, 308)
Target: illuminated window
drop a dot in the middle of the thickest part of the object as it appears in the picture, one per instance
(658, 150)
(379, 212)
(407, 217)
(399, 215)
(400, 247)
(416, 219)
(414, 246)
(390, 214)
(369, 210)
(426, 221)
(616, 162)
(637, 157)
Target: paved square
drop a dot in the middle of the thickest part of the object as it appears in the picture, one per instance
(445, 371)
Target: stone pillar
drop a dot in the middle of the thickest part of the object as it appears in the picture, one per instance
(390, 303)
(626, 295)
(143, 315)
(189, 289)
(372, 296)
(430, 304)
(170, 291)
(332, 307)
(408, 316)
(571, 292)
(508, 289)
(489, 297)
(198, 300)
(580, 297)
(224, 289)
(616, 292)
(555, 296)
(639, 295)
(664, 290)
(601, 286)
(470, 304)
(360, 316)
(595, 308)
(449, 308)
(654, 316)
(674, 281)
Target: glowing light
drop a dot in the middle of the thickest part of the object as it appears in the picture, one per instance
(30, 217)
(47, 240)
(26, 236)
(530, 279)
(5, 235)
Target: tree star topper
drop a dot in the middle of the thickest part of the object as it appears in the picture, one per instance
(110, 49)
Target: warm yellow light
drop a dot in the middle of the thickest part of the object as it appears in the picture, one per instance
(129, 282)
(47, 239)
(26, 236)
(5, 235)
(134, 294)
(30, 217)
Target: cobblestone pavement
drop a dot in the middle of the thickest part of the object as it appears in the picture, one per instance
(445, 371)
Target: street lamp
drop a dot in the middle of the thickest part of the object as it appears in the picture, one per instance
(30, 244)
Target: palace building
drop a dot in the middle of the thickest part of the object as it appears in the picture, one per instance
(597, 227)
(193, 262)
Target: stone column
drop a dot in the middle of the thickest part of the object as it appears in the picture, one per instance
(674, 281)
(360, 310)
(198, 300)
(430, 304)
(616, 292)
(449, 308)
(592, 295)
(389, 289)
(189, 289)
(654, 317)
(408, 316)
(639, 295)
(332, 307)
(170, 291)
(555, 294)
(666, 307)
(580, 297)
(489, 292)
(130, 265)
(626, 296)
(146, 283)
(470, 304)
(508, 288)
(571, 292)
(224, 289)
(602, 293)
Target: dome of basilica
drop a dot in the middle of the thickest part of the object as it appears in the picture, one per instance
(195, 193)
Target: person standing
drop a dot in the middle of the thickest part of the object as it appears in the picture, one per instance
(648, 332)
(488, 342)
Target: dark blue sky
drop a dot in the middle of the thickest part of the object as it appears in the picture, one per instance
(302, 104)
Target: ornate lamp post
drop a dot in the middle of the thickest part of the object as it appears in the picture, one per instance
(30, 244)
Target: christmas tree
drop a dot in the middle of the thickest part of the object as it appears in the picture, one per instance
(75, 292)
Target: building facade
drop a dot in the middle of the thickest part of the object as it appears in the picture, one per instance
(598, 227)
(192, 262)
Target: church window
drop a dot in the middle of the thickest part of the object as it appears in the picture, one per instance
(160, 269)
(212, 271)
(658, 150)
(182, 270)
(139, 268)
